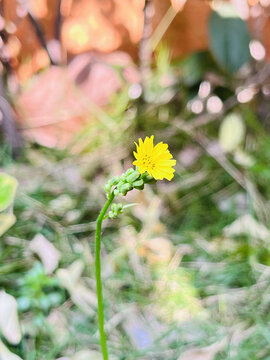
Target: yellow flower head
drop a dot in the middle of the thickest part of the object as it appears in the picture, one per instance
(156, 160)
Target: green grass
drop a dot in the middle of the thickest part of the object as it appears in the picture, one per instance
(209, 287)
(223, 281)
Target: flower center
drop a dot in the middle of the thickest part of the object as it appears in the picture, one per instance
(147, 162)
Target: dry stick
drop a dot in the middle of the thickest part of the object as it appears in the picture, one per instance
(7, 115)
(163, 27)
(257, 80)
(58, 21)
(190, 129)
(145, 51)
(202, 140)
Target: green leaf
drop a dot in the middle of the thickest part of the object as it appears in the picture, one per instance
(194, 67)
(8, 186)
(5, 354)
(229, 40)
(6, 221)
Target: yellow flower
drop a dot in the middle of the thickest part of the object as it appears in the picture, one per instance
(156, 160)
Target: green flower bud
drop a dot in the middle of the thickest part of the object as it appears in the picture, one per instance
(127, 181)
(134, 176)
(119, 208)
(147, 178)
(129, 172)
(125, 188)
(139, 187)
(116, 209)
(138, 183)
(107, 188)
(114, 180)
(121, 182)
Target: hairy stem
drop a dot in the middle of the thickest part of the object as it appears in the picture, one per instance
(100, 219)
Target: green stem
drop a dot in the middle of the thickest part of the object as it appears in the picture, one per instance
(98, 278)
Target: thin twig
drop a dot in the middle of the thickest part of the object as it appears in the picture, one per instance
(222, 160)
(40, 35)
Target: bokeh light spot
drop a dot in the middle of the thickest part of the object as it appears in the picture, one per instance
(214, 105)
(257, 50)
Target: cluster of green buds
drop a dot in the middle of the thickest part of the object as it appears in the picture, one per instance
(116, 209)
(131, 179)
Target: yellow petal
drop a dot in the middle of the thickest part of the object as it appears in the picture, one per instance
(156, 160)
(166, 162)
(149, 145)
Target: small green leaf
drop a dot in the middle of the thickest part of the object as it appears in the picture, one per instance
(8, 186)
(229, 40)
(231, 132)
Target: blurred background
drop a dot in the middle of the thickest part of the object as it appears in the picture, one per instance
(186, 272)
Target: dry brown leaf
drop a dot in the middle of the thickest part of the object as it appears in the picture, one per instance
(9, 322)
(86, 355)
(240, 334)
(247, 225)
(83, 297)
(6, 221)
(46, 251)
(206, 353)
(137, 329)
(62, 204)
(156, 250)
(72, 274)
(51, 109)
(61, 101)
(59, 325)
